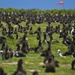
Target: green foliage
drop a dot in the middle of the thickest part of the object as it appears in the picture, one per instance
(53, 11)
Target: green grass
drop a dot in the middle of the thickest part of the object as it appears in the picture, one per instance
(33, 60)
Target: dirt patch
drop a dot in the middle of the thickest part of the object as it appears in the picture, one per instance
(28, 63)
(41, 63)
(32, 70)
(64, 65)
(13, 63)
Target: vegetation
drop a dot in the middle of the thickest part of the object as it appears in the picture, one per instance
(54, 11)
(33, 60)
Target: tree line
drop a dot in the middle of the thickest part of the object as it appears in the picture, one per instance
(53, 11)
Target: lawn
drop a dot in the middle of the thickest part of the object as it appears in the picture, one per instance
(33, 61)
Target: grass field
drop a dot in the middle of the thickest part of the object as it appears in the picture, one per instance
(33, 61)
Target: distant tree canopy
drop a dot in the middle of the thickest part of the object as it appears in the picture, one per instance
(53, 11)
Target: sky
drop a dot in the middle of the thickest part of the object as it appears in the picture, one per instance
(37, 4)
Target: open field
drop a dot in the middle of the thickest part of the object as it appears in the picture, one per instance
(33, 61)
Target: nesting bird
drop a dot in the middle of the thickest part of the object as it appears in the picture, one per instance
(59, 53)
(73, 65)
(2, 72)
(20, 70)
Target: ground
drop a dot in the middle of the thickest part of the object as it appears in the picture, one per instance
(33, 61)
